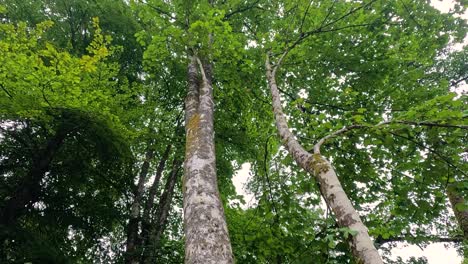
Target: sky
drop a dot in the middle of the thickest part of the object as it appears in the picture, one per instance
(436, 253)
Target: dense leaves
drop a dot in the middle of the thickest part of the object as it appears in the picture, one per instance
(89, 88)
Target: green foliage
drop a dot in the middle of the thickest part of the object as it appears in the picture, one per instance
(113, 75)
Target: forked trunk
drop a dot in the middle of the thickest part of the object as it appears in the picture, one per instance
(160, 220)
(206, 234)
(146, 218)
(131, 256)
(361, 245)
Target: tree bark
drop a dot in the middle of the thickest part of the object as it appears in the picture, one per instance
(361, 245)
(158, 227)
(456, 198)
(461, 214)
(206, 233)
(146, 221)
(132, 229)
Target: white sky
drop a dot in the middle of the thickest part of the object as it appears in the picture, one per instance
(436, 253)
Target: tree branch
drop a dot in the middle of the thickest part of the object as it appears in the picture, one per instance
(305, 15)
(349, 128)
(328, 14)
(202, 70)
(380, 241)
(454, 83)
(5, 90)
(352, 11)
(432, 151)
(241, 9)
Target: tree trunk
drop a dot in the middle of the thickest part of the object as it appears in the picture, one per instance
(132, 229)
(206, 233)
(146, 221)
(461, 214)
(159, 224)
(361, 245)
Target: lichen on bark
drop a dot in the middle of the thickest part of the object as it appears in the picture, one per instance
(317, 164)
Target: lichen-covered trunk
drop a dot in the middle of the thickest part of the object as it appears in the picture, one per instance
(461, 213)
(131, 256)
(160, 220)
(206, 234)
(457, 200)
(361, 245)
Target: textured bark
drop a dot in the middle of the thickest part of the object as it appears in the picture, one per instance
(132, 229)
(206, 234)
(361, 245)
(455, 198)
(29, 191)
(164, 206)
(146, 221)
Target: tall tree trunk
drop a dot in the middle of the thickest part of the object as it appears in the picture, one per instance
(206, 233)
(146, 221)
(158, 227)
(361, 245)
(461, 214)
(132, 229)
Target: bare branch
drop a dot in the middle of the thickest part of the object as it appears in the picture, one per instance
(334, 134)
(380, 241)
(454, 83)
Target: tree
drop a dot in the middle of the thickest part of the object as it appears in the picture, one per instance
(57, 121)
(363, 100)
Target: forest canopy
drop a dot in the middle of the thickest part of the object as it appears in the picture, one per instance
(124, 123)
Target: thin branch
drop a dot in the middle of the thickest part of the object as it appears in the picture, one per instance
(305, 15)
(160, 11)
(432, 151)
(380, 241)
(265, 166)
(429, 124)
(352, 11)
(454, 83)
(241, 9)
(349, 128)
(293, 97)
(334, 134)
(321, 30)
(328, 14)
(5, 90)
(412, 17)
